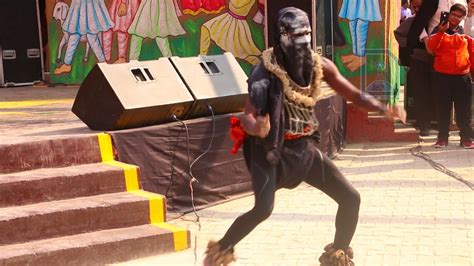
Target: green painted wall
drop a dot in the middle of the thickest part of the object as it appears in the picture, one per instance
(184, 45)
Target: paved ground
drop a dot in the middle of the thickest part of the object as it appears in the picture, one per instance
(411, 214)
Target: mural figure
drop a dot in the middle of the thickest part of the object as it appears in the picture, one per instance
(60, 11)
(194, 7)
(231, 32)
(122, 13)
(155, 19)
(260, 15)
(85, 18)
(359, 13)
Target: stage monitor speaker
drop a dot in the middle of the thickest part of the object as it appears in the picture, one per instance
(134, 94)
(214, 80)
(271, 17)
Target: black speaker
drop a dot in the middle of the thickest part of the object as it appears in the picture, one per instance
(134, 94)
(217, 81)
(271, 17)
(20, 45)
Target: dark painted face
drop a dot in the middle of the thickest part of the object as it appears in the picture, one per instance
(294, 29)
(294, 43)
(299, 39)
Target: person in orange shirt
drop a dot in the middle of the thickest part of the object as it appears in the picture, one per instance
(453, 64)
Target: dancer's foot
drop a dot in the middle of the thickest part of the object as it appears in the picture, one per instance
(356, 63)
(348, 58)
(216, 256)
(336, 257)
(120, 60)
(62, 69)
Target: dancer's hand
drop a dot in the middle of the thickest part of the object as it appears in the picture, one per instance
(262, 126)
(396, 111)
(122, 10)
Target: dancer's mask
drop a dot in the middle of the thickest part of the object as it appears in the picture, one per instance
(293, 40)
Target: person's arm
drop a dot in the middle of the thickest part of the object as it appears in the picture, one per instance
(434, 42)
(423, 35)
(255, 120)
(363, 100)
(424, 38)
(423, 16)
(254, 125)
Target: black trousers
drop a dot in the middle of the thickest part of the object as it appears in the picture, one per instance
(453, 89)
(420, 82)
(300, 161)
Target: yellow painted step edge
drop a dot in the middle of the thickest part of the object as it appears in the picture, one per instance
(157, 202)
(32, 103)
(180, 235)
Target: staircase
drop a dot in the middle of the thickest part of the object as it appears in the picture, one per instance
(363, 126)
(67, 202)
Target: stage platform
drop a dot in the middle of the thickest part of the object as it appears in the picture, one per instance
(39, 113)
(35, 114)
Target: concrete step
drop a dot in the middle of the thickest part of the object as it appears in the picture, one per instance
(370, 126)
(49, 184)
(404, 128)
(97, 248)
(49, 154)
(73, 216)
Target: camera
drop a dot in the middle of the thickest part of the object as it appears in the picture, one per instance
(444, 17)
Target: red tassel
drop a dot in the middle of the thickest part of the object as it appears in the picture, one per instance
(237, 134)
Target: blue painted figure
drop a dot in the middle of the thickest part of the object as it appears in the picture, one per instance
(359, 13)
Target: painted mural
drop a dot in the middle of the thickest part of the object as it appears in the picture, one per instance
(84, 32)
(368, 55)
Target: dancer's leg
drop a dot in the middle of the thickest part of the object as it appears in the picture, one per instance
(94, 42)
(326, 177)
(135, 47)
(264, 187)
(164, 46)
(107, 38)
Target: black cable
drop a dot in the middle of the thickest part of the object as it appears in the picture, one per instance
(187, 140)
(209, 108)
(416, 151)
(190, 170)
(192, 179)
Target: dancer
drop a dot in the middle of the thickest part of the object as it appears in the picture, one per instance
(155, 19)
(122, 12)
(85, 18)
(230, 31)
(360, 14)
(280, 129)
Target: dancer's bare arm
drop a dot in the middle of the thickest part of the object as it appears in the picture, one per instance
(255, 125)
(364, 100)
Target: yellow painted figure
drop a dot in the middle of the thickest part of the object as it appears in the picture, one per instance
(231, 32)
